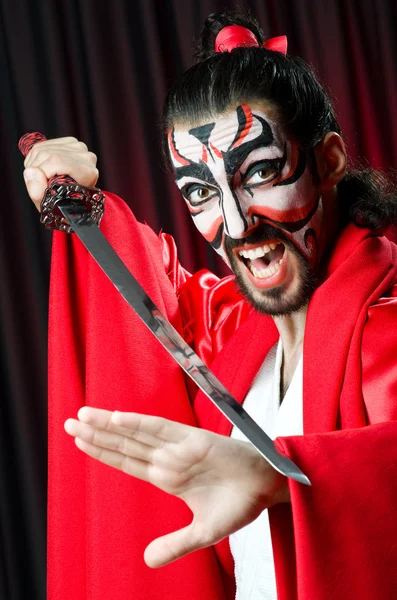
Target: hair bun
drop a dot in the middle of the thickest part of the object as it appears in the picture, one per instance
(215, 22)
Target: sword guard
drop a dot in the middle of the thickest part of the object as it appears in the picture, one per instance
(63, 189)
(76, 197)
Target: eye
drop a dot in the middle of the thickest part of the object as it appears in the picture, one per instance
(198, 194)
(263, 174)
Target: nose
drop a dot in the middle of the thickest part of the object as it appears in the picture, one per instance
(234, 216)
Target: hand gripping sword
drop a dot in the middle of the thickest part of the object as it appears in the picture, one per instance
(70, 207)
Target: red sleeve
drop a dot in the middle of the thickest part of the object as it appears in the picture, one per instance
(211, 309)
(379, 359)
(176, 273)
(101, 354)
(345, 524)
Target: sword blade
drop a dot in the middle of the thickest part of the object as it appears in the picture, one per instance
(112, 265)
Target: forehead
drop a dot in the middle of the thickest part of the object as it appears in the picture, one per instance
(245, 126)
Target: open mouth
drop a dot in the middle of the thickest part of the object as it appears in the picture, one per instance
(263, 261)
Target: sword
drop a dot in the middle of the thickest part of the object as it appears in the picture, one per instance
(73, 208)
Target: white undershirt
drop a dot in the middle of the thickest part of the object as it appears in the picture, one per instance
(251, 546)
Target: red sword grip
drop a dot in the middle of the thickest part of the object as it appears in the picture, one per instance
(60, 188)
(25, 145)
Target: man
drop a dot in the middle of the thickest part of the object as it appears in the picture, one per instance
(261, 165)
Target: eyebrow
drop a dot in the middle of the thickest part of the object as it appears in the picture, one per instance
(234, 158)
(199, 170)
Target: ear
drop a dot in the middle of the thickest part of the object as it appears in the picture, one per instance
(331, 159)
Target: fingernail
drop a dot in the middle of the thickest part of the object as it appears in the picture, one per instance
(115, 418)
(29, 174)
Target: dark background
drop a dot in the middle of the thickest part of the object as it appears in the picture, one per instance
(99, 70)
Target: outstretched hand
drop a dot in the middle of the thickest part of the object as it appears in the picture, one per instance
(224, 482)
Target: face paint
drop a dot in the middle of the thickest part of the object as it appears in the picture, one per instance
(241, 172)
(242, 168)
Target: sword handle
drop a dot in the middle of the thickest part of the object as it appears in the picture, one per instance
(62, 188)
(25, 145)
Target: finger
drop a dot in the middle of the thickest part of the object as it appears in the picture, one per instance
(95, 416)
(164, 478)
(56, 154)
(102, 419)
(56, 142)
(177, 544)
(163, 429)
(131, 466)
(109, 440)
(50, 146)
(36, 184)
(61, 141)
(82, 172)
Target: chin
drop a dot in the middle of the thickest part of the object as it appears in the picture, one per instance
(272, 273)
(280, 300)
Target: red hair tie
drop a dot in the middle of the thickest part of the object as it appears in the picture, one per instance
(277, 44)
(236, 36)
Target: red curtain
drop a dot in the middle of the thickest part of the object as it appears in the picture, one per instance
(99, 71)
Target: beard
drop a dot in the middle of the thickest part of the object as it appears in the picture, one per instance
(280, 300)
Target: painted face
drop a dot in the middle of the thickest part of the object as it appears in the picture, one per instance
(240, 173)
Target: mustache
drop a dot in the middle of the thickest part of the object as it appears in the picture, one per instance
(261, 234)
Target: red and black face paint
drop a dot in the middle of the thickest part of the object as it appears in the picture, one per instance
(241, 169)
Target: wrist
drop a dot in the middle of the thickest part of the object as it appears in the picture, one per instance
(283, 493)
(273, 485)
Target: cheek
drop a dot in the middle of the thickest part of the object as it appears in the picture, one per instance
(296, 209)
(309, 237)
(284, 199)
(207, 219)
(209, 222)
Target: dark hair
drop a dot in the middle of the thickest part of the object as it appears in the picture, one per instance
(225, 79)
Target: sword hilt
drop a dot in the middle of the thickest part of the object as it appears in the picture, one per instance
(62, 188)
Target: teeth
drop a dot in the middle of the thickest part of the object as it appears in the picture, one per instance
(257, 252)
(263, 273)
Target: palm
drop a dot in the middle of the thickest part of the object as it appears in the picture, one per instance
(225, 482)
(212, 475)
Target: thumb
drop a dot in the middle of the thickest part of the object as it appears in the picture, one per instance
(170, 547)
(36, 184)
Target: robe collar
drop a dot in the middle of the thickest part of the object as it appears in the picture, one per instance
(361, 268)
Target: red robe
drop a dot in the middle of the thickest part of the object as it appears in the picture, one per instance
(337, 539)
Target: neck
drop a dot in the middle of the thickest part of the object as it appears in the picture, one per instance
(291, 329)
